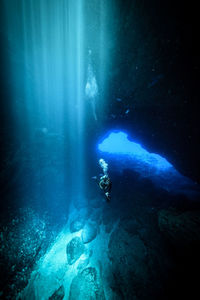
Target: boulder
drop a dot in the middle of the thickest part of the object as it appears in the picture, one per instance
(75, 248)
(85, 260)
(87, 285)
(58, 294)
(83, 263)
(77, 225)
(89, 232)
(96, 216)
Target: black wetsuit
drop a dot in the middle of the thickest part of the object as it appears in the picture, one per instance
(106, 185)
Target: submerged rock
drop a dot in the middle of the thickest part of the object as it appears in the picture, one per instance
(129, 266)
(74, 250)
(83, 263)
(76, 225)
(58, 294)
(87, 285)
(89, 232)
(96, 216)
(23, 241)
(181, 228)
(108, 227)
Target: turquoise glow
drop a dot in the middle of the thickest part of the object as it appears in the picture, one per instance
(119, 144)
(49, 42)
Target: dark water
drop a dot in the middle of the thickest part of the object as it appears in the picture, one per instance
(71, 73)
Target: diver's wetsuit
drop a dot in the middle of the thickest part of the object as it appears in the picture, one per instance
(106, 185)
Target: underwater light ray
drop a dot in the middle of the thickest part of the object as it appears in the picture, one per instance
(48, 39)
(91, 88)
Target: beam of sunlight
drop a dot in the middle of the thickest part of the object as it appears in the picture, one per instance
(49, 43)
(91, 88)
(47, 54)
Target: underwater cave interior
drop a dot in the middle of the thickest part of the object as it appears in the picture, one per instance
(94, 90)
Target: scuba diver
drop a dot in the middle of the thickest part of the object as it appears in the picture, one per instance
(104, 183)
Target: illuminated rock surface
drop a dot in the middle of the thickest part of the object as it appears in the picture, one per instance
(124, 258)
(87, 285)
(76, 225)
(83, 263)
(89, 232)
(59, 294)
(74, 250)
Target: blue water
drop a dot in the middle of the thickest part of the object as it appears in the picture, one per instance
(123, 153)
(72, 70)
